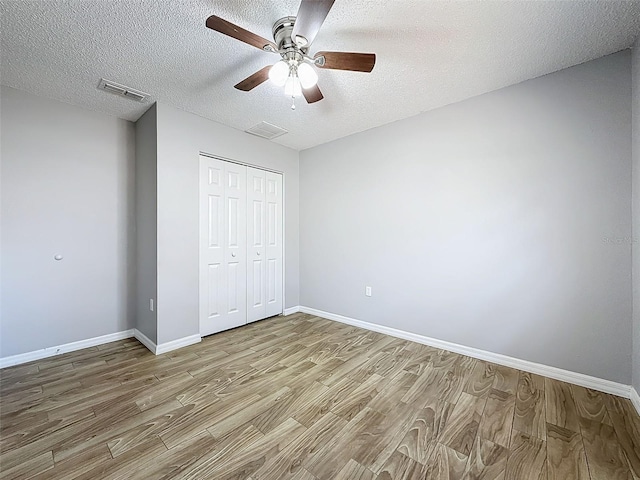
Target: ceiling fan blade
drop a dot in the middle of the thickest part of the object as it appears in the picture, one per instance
(252, 81)
(313, 94)
(221, 25)
(357, 62)
(311, 15)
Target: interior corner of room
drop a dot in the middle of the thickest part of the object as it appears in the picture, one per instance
(504, 226)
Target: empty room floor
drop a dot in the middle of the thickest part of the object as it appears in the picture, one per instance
(305, 398)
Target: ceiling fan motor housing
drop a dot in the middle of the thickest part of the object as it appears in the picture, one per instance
(282, 31)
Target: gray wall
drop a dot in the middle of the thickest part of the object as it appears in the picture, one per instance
(492, 223)
(636, 213)
(146, 223)
(67, 188)
(181, 137)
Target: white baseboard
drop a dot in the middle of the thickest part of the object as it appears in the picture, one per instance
(635, 399)
(179, 343)
(291, 310)
(581, 379)
(92, 342)
(66, 348)
(167, 346)
(587, 381)
(146, 341)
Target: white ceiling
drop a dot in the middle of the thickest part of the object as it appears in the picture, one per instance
(429, 54)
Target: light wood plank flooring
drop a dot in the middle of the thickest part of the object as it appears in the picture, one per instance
(305, 398)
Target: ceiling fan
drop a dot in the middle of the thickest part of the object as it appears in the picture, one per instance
(292, 38)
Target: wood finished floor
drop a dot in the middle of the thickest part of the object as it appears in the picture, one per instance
(304, 398)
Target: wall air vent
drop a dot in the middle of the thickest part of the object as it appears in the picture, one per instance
(266, 130)
(123, 91)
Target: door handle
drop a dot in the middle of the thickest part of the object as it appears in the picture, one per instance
(233, 254)
(258, 253)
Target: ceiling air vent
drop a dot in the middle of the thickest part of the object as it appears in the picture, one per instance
(266, 130)
(122, 90)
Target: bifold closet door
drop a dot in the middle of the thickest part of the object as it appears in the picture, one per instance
(264, 244)
(223, 248)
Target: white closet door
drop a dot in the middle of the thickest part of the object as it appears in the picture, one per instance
(256, 248)
(273, 241)
(236, 242)
(223, 264)
(264, 244)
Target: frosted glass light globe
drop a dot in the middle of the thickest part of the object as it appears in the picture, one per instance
(279, 72)
(308, 76)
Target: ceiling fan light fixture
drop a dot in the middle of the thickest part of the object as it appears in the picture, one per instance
(279, 73)
(292, 86)
(308, 76)
(296, 71)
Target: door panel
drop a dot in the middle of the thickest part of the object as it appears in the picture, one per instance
(272, 224)
(233, 294)
(256, 251)
(213, 289)
(236, 242)
(274, 246)
(258, 287)
(215, 220)
(271, 281)
(258, 223)
(233, 216)
(222, 250)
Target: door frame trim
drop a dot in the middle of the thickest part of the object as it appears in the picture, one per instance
(238, 162)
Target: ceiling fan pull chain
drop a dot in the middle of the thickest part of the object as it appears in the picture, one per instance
(293, 102)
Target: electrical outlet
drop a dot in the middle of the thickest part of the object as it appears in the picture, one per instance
(151, 304)
(367, 291)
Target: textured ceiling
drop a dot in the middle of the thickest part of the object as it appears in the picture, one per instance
(429, 54)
